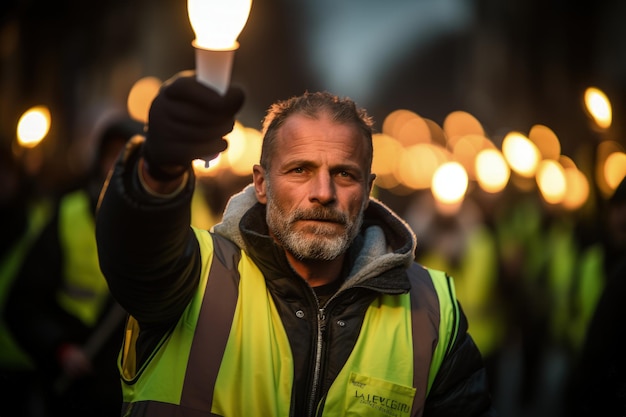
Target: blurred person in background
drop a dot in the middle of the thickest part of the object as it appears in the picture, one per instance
(597, 386)
(59, 308)
(23, 214)
(463, 244)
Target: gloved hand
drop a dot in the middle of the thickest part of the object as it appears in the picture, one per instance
(187, 121)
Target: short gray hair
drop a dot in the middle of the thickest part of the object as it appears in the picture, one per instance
(340, 110)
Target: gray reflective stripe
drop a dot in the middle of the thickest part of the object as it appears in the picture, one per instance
(209, 343)
(423, 295)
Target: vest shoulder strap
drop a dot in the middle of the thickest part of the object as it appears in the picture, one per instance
(448, 323)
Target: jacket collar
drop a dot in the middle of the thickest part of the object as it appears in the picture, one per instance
(380, 254)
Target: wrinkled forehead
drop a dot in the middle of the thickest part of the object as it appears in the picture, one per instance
(325, 135)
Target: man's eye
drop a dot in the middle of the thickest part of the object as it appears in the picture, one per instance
(298, 170)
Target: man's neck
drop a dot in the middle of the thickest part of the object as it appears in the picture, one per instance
(317, 273)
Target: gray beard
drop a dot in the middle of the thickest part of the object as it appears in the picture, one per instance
(326, 245)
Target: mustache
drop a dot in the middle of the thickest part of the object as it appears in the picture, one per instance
(320, 214)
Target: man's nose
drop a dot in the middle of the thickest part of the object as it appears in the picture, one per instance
(322, 188)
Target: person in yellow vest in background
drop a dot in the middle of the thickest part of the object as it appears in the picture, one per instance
(597, 383)
(463, 244)
(23, 214)
(59, 308)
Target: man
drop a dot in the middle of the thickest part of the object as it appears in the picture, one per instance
(304, 301)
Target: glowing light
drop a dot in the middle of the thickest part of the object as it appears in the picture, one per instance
(407, 127)
(492, 171)
(605, 149)
(449, 183)
(551, 181)
(140, 97)
(615, 169)
(459, 123)
(546, 141)
(465, 150)
(387, 151)
(577, 189)
(244, 149)
(521, 154)
(204, 168)
(418, 164)
(33, 126)
(218, 23)
(599, 107)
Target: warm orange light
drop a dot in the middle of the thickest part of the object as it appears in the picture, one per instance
(460, 123)
(492, 171)
(418, 164)
(599, 107)
(615, 169)
(140, 97)
(546, 141)
(521, 154)
(577, 189)
(387, 153)
(551, 181)
(33, 126)
(450, 183)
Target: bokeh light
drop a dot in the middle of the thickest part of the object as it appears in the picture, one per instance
(418, 164)
(521, 154)
(492, 171)
(33, 126)
(459, 124)
(449, 183)
(551, 181)
(140, 97)
(407, 127)
(604, 150)
(615, 169)
(546, 141)
(577, 187)
(598, 107)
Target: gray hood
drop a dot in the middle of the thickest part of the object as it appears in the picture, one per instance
(385, 242)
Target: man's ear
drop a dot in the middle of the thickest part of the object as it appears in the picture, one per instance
(258, 177)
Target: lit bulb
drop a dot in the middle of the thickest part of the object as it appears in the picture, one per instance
(216, 24)
(33, 126)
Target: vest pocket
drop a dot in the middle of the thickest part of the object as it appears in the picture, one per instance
(366, 395)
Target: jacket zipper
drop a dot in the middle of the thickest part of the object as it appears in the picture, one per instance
(321, 327)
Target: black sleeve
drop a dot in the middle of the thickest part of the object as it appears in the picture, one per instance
(461, 387)
(147, 250)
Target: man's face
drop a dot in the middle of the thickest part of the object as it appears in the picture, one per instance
(317, 187)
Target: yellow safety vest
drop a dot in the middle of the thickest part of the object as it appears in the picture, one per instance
(84, 292)
(245, 367)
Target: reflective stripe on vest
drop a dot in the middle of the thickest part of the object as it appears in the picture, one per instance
(245, 366)
(84, 291)
(11, 355)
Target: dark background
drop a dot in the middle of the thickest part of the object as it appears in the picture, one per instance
(512, 64)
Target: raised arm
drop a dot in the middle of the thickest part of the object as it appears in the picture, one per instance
(146, 248)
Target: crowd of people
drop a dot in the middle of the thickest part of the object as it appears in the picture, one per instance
(306, 296)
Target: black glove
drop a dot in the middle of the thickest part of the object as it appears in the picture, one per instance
(187, 121)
